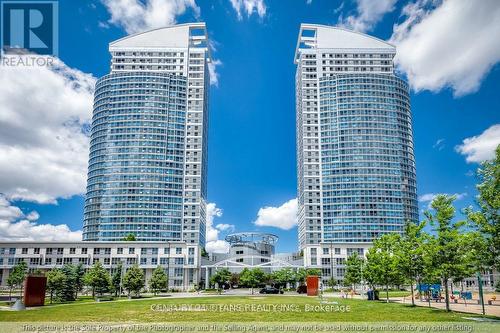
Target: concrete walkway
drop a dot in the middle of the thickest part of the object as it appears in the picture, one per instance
(470, 307)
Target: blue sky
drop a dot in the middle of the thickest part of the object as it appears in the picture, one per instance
(252, 107)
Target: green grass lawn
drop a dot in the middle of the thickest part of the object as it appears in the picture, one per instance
(140, 311)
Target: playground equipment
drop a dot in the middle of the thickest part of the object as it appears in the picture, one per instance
(432, 291)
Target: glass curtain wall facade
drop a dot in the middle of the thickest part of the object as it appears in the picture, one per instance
(135, 177)
(355, 162)
(367, 165)
(149, 140)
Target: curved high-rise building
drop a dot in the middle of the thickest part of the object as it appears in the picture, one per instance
(355, 158)
(148, 149)
(137, 149)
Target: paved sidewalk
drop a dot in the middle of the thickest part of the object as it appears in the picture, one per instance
(473, 307)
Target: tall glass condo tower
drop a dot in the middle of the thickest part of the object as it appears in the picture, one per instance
(148, 149)
(355, 158)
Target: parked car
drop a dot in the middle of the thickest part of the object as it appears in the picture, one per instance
(302, 289)
(270, 290)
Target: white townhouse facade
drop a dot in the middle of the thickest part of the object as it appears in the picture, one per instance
(179, 260)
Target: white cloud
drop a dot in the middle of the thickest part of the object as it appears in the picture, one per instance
(481, 147)
(212, 69)
(16, 226)
(225, 227)
(428, 197)
(213, 243)
(450, 43)
(250, 7)
(369, 13)
(439, 145)
(218, 246)
(43, 142)
(137, 15)
(283, 217)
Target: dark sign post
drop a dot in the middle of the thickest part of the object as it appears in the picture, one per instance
(34, 290)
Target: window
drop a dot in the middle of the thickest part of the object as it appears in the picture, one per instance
(326, 250)
(179, 261)
(84, 250)
(59, 261)
(178, 250)
(36, 250)
(239, 252)
(337, 250)
(72, 250)
(106, 261)
(314, 251)
(12, 250)
(239, 260)
(24, 250)
(131, 250)
(48, 261)
(163, 261)
(119, 250)
(144, 250)
(154, 261)
(166, 250)
(60, 250)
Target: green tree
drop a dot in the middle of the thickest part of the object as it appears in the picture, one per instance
(17, 276)
(447, 256)
(56, 281)
(158, 280)
(235, 279)
(98, 279)
(284, 276)
(410, 254)
(252, 277)
(133, 281)
(354, 270)
(68, 291)
(129, 238)
(78, 273)
(116, 279)
(487, 218)
(303, 273)
(381, 263)
(221, 277)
